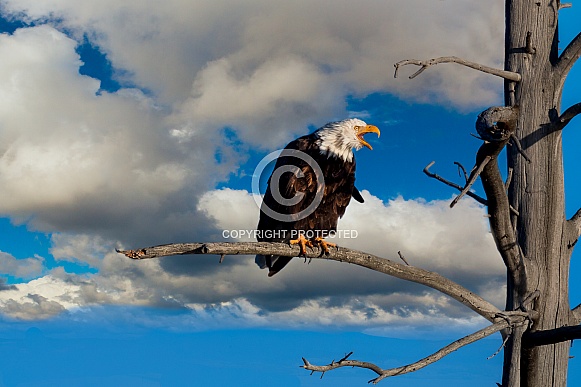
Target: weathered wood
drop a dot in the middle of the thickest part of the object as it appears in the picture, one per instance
(511, 321)
(552, 336)
(454, 185)
(424, 64)
(341, 254)
(537, 187)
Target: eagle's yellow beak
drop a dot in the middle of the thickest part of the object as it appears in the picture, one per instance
(368, 129)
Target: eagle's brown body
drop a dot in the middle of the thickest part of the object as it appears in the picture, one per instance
(339, 187)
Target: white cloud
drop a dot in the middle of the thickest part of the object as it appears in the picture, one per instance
(323, 291)
(131, 166)
(39, 298)
(262, 66)
(429, 234)
(21, 268)
(455, 242)
(231, 211)
(79, 248)
(392, 315)
(72, 159)
(139, 167)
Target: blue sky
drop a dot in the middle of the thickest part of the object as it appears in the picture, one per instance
(135, 125)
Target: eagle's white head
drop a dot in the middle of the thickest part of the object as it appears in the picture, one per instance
(338, 139)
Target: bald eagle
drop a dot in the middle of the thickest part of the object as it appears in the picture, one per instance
(310, 187)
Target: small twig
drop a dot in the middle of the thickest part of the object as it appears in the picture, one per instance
(461, 168)
(499, 348)
(516, 143)
(402, 258)
(424, 64)
(508, 178)
(473, 176)
(529, 45)
(514, 210)
(346, 356)
(221, 258)
(454, 185)
(529, 299)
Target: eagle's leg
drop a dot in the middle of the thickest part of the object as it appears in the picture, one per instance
(303, 244)
(324, 245)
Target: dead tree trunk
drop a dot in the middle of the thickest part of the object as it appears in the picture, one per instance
(543, 236)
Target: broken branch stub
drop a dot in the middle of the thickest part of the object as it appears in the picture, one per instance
(497, 123)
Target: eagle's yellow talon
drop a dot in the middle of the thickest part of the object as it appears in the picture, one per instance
(324, 245)
(303, 243)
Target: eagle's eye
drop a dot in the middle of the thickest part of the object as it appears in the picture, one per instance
(356, 128)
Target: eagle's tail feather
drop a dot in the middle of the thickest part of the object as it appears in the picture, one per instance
(275, 263)
(261, 261)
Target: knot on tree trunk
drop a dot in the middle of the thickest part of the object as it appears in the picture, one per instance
(497, 123)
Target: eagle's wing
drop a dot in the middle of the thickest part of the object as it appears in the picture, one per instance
(339, 188)
(357, 195)
(289, 185)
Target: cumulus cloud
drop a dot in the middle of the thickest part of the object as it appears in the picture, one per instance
(39, 298)
(21, 268)
(262, 66)
(454, 242)
(231, 211)
(79, 248)
(104, 162)
(132, 164)
(138, 166)
(318, 293)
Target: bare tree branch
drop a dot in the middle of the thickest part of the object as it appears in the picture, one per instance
(471, 180)
(424, 64)
(500, 324)
(508, 178)
(577, 314)
(341, 254)
(514, 139)
(552, 336)
(568, 115)
(403, 258)
(479, 199)
(461, 168)
(569, 56)
(497, 125)
(454, 185)
(575, 222)
(499, 211)
(511, 375)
